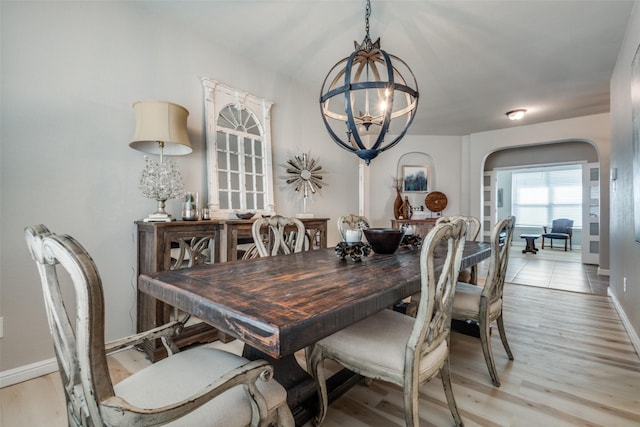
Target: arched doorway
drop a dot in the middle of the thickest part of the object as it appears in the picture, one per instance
(496, 194)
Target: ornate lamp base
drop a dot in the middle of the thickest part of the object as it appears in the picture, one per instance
(160, 215)
(355, 251)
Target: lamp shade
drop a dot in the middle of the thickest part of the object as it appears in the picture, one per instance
(161, 128)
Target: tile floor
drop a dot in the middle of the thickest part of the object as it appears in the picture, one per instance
(554, 269)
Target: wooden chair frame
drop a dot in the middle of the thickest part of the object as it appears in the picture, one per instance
(489, 297)
(82, 354)
(351, 222)
(279, 238)
(470, 275)
(427, 335)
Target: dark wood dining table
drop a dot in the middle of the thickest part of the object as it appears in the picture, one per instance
(279, 305)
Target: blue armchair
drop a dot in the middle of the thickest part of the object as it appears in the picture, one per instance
(560, 230)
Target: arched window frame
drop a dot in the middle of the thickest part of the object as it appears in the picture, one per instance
(218, 97)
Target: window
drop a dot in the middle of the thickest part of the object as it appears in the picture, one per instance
(541, 195)
(240, 160)
(238, 141)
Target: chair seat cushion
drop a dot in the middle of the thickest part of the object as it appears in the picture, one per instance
(466, 303)
(556, 235)
(183, 374)
(378, 344)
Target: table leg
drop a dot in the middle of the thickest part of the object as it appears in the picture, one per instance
(301, 389)
(530, 245)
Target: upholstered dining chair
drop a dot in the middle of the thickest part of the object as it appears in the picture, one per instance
(561, 229)
(483, 304)
(351, 222)
(277, 235)
(469, 275)
(197, 387)
(396, 348)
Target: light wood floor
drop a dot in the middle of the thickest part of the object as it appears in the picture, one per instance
(574, 366)
(554, 269)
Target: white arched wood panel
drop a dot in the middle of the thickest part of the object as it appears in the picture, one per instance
(217, 98)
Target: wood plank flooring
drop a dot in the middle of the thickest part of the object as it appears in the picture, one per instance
(574, 366)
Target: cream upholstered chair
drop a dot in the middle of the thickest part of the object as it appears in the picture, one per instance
(469, 275)
(483, 304)
(197, 387)
(396, 348)
(277, 235)
(351, 222)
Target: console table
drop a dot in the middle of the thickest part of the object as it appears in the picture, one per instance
(169, 246)
(422, 225)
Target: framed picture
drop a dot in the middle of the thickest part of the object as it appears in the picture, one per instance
(415, 179)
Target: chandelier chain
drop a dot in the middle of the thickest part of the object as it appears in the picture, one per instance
(367, 14)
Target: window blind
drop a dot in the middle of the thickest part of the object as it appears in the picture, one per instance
(544, 194)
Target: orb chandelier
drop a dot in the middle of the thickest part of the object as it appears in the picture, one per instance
(366, 97)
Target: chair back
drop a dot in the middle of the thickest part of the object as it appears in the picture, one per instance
(561, 225)
(351, 222)
(79, 346)
(473, 225)
(501, 238)
(437, 289)
(278, 235)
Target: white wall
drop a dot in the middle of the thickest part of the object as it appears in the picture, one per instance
(70, 72)
(625, 251)
(445, 153)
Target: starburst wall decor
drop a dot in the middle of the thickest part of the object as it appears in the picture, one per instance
(304, 175)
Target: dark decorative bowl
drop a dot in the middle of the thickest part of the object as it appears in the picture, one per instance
(383, 240)
(245, 215)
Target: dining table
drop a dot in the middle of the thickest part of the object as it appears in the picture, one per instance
(281, 304)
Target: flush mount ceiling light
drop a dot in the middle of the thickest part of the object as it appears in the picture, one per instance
(516, 114)
(366, 96)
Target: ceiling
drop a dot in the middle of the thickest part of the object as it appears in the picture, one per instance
(473, 60)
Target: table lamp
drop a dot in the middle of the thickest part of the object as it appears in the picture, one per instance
(161, 128)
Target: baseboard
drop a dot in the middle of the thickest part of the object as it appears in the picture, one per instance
(633, 335)
(27, 372)
(603, 272)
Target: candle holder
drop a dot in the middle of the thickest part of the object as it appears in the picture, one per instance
(411, 241)
(355, 251)
(353, 236)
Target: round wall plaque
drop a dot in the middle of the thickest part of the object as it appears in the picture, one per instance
(435, 201)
